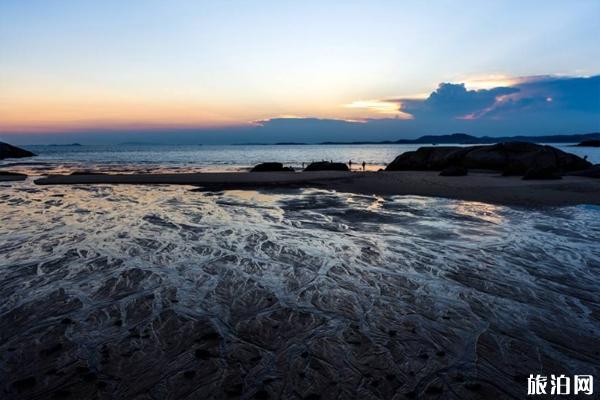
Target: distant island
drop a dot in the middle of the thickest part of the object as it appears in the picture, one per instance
(454, 138)
(463, 138)
(155, 144)
(271, 144)
(63, 145)
(589, 143)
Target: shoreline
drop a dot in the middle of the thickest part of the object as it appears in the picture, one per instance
(478, 186)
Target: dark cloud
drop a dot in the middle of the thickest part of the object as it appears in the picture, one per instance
(454, 100)
(554, 96)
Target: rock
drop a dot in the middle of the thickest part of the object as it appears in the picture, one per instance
(326, 166)
(454, 171)
(593, 172)
(11, 176)
(424, 158)
(512, 170)
(8, 151)
(545, 173)
(589, 143)
(271, 167)
(513, 158)
(86, 172)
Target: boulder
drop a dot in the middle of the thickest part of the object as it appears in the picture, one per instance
(593, 172)
(513, 158)
(86, 172)
(11, 176)
(9, 151)
(326, 166)
(545, 173)
(271, 167)
(589, 143)
(424, 158)
(512, 170)
(454, 171)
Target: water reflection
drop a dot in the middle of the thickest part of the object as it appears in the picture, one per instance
(152, 288)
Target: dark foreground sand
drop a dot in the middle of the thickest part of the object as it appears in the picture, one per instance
(484, 187)
(160, 292)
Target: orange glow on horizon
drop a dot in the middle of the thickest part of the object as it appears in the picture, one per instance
(41, 115)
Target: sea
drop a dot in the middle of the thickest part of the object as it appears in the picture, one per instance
(118, 291)
(128, 158)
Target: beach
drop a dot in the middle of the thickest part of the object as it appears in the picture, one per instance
(166, 278)
(165, 291)
(484, 187)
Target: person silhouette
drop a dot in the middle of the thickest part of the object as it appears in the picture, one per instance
(350, 165)
(364, 165)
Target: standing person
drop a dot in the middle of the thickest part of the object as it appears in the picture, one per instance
(364, 165)
(350, 165)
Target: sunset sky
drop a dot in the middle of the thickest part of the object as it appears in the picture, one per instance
(99, 67)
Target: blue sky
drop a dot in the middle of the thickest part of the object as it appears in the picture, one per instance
(92, 67)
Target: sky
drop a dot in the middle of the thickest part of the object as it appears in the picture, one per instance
(231, 71)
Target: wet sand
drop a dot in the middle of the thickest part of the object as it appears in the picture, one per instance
(483, 187)
(162, 292)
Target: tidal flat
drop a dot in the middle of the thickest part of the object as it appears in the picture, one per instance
(145, 292)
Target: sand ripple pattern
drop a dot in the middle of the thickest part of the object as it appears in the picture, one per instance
(167, 293)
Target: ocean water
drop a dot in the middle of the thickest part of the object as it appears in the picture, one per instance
(167, 292)
(165, 158)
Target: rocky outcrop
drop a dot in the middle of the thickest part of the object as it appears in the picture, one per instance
(516, 158)
(593, 172)
(326, 166)
(542, 173)
(9, 151)
(6, 176)
(454, 171)
(589, 143)
(271, 167)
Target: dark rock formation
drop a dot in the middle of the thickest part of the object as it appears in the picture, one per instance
(513, 158)
(86, 172)
(589, 143)
(271, 167)
(11, 176)
(542, 173)
(9, 173)
(454, 171)
(593, 172)
(326, 166)
(424, 158)
(9, 151)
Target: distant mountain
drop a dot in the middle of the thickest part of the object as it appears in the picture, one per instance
(139, 144)
(270, 144)
(70, 144)
(463, 138)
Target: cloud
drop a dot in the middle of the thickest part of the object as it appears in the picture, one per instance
(379, 106)
(536, 105)
(548, 96)
(453, 100)
(551, 94)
